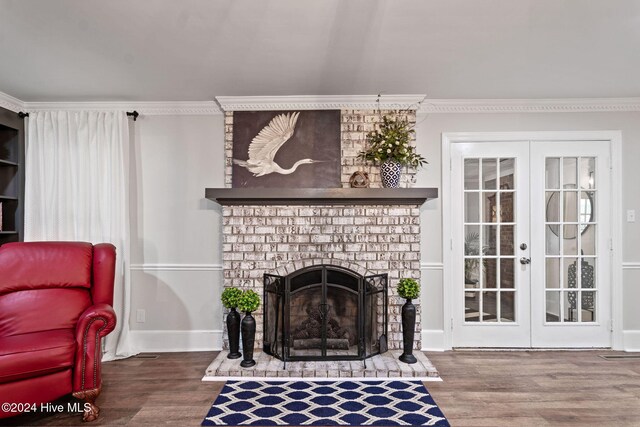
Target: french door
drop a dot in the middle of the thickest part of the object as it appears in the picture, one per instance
(530, 244)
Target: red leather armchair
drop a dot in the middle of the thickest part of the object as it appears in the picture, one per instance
(55, 306)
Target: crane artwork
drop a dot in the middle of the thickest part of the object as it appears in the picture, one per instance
(265, 146)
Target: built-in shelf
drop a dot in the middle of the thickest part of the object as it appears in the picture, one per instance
(321, 196)
(11, 176)
(7, 163)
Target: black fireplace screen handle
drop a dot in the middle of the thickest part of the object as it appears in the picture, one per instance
(324, 310)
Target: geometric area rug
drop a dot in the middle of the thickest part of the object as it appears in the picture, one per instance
(325, 403)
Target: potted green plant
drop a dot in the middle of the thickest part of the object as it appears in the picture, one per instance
(390, 146)
(408, 289)
(472, 248)
(230, 299)
(249, 302)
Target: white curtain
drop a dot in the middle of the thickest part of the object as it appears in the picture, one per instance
(77, 188)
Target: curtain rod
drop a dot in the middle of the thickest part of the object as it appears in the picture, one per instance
(133, 114)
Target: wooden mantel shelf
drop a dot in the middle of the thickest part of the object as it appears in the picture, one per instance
(321, 196)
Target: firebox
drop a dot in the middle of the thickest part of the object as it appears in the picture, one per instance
(325, 312)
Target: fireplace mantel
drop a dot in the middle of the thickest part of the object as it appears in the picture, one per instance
(320, 196)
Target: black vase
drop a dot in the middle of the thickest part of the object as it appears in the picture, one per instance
(408, 331)
(248, 339)
(233, 328)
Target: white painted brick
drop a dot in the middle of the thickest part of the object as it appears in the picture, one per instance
(342, 220)
(265, 230)
(254, 238)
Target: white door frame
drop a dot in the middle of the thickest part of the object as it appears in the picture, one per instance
(614, 138)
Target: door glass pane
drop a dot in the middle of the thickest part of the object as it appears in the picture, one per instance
(569, 239)
(506, 206)
(472, 273)
(471, 174)
(553, 306)
(472, 306)
(552, 272)
(588, 306)
(552, 173)
(588, 172)
(588, 273)
(587, 206)
(569, 171)
(570, 272)
(489, 307)
(507, 277)
(472, 240)
(471, 207)
(570, 206)
(552, 240)
(553, 207)
(489, 174)
(507, 306)
(507, 173)
(489, 238)
(490, 206)
(490, 272)
(588, 240)
(506, 240)
(570, 306)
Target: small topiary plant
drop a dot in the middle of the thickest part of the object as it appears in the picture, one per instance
(408, 288)
(249, 301)
(231, 297)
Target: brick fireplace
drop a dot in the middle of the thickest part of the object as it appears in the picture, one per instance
(278, 231)
(276, 239)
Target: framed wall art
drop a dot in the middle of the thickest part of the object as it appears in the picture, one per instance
(286, 149)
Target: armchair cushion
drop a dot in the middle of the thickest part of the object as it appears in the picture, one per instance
(36, 354)
(33, 310)
(66, 265)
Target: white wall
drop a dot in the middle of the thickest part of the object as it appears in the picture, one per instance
(175, 233)
(429, 130)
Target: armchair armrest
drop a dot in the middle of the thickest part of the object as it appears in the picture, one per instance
(96, 322)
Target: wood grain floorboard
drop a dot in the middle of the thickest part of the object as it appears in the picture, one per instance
(538, 388)
(480, 388)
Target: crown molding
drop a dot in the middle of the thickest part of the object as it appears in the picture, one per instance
(323, 102)
(319, 102)
(10, 103)
(185, 108)
(566, 105)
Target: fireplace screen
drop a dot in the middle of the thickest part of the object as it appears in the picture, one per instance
(325, 313)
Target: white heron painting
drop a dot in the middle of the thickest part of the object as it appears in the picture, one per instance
(281, 149)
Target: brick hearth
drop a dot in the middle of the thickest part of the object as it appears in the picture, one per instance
(384, 365)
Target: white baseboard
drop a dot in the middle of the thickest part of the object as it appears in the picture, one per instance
(631, 340)
(432, 340)
(173, 341)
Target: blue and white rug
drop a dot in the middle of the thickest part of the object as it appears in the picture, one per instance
(326, 403)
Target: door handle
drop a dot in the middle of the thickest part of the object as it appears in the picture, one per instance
(525, 261)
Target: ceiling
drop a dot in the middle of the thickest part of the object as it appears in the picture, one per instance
(194, 50)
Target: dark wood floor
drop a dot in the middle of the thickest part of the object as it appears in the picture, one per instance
(479, 389)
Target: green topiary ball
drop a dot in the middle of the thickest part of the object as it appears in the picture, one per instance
(408, 288)
(230, 297)
(249, 301)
